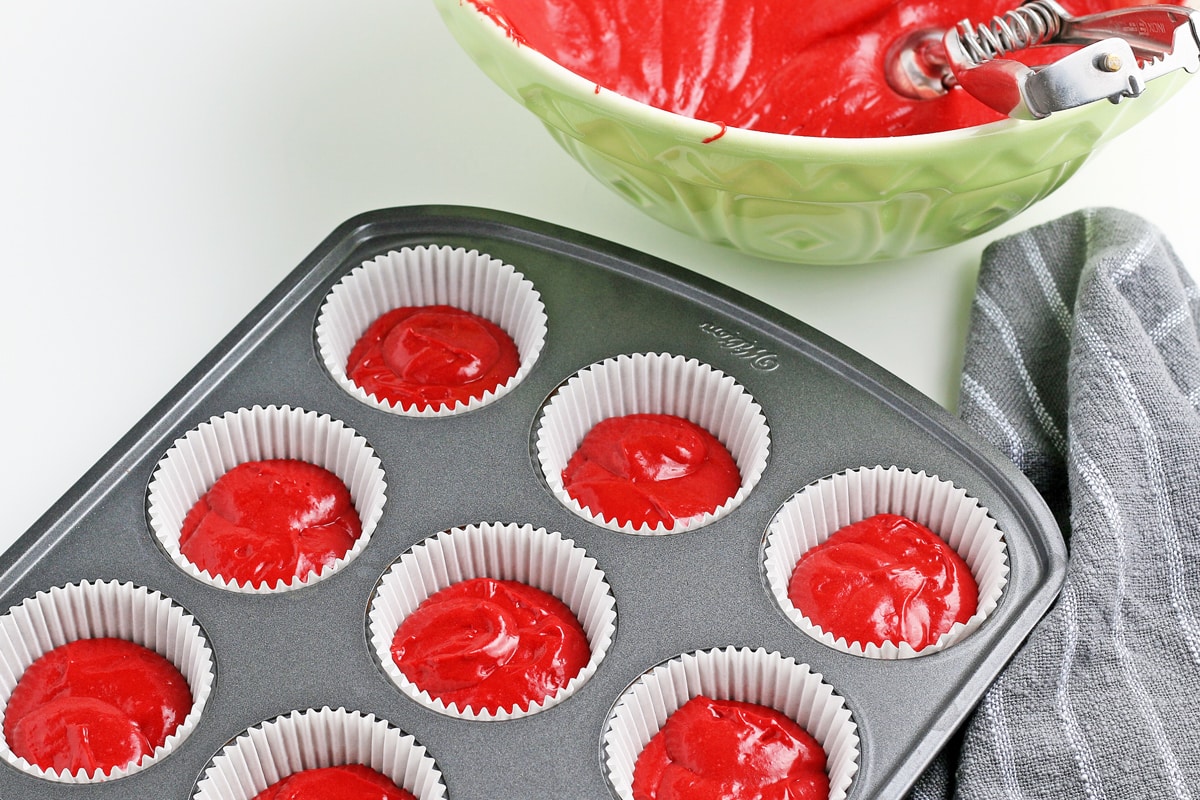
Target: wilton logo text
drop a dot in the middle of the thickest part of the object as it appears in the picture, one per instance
(740, 346)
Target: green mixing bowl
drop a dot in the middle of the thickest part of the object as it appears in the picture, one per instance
(801, 199)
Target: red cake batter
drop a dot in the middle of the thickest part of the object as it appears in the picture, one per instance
(491, 645)
(431, 356)
(95, 704)
(729, 750)
(343, 782)
(885, 579)
(804, 67)
(265, 522)
(651, 469)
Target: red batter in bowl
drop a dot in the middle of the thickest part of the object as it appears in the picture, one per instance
(884, 579)
(801, 67)
(490, 645)
(95, 704)
(730, 750)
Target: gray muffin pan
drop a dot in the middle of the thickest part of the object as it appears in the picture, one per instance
(828, 409)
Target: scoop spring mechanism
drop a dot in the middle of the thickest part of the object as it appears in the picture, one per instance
(1030, 25)
(1117, 53)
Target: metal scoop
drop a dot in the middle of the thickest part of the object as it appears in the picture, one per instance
(1121, 51)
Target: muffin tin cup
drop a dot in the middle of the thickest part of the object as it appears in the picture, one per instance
(195, 462)
(313, 739)
(91, 610)
(515, 552)
(421, 276)
(820, 509)
(652, 383)
(731, 673)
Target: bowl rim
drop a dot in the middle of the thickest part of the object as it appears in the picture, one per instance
(608, 102)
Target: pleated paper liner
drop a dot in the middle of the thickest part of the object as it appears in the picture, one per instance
(731, 673)
(422, 276)
(91, 610)
(652, 383)
(204, 454)
(536, 557)
(820, 509)
(315, 739)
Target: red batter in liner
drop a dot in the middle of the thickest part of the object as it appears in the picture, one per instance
(650, 469)
(804, 67)
(730, 750)
(95, 704)
(343, 782)
(491, 645)
(267, 522)
(885, 579)
(432, 356)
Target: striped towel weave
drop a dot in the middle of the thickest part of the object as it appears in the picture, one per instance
(1083, 367)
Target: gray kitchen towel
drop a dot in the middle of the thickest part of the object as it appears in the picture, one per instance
(1083, 367)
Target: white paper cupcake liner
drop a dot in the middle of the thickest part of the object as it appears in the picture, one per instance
(421, 276)
(313, 739)
(653, 383)
(97, 610)
(195, 462)
(818, 510)
(741, 674)
(535, 557)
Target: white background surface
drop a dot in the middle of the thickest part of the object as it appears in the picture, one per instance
(164, 165)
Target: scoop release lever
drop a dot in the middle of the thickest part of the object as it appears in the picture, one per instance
(1120, 51)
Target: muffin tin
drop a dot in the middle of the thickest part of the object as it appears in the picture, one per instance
(828, 411)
